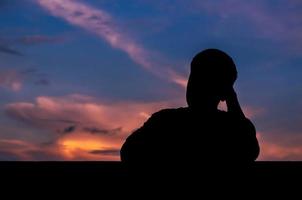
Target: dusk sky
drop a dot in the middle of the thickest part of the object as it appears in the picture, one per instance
(78, 76)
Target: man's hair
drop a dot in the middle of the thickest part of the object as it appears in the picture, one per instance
(214, 64)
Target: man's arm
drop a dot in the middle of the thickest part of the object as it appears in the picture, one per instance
(233, 103)
(249, 140)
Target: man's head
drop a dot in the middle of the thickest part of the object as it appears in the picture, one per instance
(213, 74)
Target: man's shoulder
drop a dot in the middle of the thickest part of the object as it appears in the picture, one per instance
(170, 112)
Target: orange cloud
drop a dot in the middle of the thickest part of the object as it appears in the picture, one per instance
(89, 147)
(90, 129)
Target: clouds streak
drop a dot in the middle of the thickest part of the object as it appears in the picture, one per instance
(99, 22)
(8, 50)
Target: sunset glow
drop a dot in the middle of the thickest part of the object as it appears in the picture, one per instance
(71, 147)
(77, 77)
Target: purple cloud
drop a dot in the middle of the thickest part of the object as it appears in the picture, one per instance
(11, 79)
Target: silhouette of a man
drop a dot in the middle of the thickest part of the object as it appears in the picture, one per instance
(199, 132)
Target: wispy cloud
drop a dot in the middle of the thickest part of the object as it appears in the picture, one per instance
(11, 79)
(39, 39)
(9, 50)
(102, 24)
(14, 80)
(82, 110)
(95, 130)
(8, 44)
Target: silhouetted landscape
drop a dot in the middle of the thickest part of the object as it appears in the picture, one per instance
(136, 90)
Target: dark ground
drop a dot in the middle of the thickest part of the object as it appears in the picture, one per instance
(96, 169)
(87, 177)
